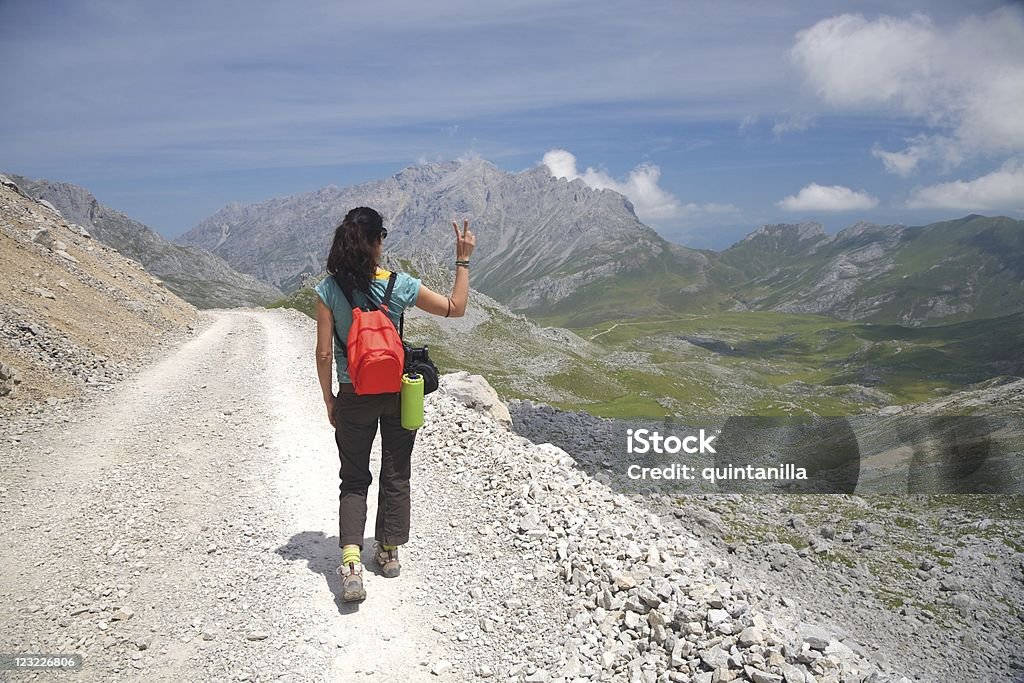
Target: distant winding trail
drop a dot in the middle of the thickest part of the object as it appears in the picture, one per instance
(681, 316)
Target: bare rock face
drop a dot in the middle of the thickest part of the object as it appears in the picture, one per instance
(197, 276)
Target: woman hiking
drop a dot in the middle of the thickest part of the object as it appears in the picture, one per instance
(354, 260)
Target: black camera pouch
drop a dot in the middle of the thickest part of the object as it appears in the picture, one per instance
(417, 360)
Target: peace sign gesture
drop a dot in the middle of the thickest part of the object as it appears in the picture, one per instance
(465, 241)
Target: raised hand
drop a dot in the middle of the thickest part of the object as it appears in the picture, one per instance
(465, 241)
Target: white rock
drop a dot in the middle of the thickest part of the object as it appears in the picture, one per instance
(716, 616)
(474, 392)
(751, 635)
(816, 637)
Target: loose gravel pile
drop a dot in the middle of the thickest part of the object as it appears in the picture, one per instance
(642, 599)
(931, 585)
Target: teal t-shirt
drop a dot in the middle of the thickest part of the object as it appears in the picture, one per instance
(407, 288)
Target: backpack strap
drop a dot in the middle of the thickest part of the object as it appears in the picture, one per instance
(347, 293)
(391, 287)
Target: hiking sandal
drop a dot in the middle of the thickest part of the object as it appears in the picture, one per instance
(387, 560)
(352, 582)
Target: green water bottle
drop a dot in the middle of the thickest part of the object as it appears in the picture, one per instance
(412, 400)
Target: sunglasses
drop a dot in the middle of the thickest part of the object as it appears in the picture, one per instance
(383, 233)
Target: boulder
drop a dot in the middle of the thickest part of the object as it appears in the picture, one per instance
(474, 392)
(815, 637)
(9, 379)
(42, 236)
(50, 207)
(75, 227)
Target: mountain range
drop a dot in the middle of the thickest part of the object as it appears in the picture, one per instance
(567, 254)
(950, 271)
(545, 238)
(789, 318)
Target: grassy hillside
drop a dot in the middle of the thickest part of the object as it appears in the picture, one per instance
(975, 258)
(948, 272)
(824, 365)
(303, 299)
(672, 283)
(713, 363)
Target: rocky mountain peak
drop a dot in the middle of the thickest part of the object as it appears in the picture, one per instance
(75, 203)
(777, 235)
(535, 226)
(864, 228)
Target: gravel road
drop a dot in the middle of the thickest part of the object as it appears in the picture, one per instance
(183, 527)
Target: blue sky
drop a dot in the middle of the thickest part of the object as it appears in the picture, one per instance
(715, 117)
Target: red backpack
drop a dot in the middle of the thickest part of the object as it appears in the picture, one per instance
(374, 350)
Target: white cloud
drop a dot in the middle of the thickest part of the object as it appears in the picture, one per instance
(817, 197)
(641, 187)
(936, 148)
(966, 81)
(793, 123)
(561, 163)
(710, 208)
(1000, 189)
(901, 163)
(469, 155)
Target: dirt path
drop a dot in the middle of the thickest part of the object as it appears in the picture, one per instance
(644, 322)
(199, 498)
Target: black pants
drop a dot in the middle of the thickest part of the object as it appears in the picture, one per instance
(355, 419)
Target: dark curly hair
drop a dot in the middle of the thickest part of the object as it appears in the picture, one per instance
(354, 249)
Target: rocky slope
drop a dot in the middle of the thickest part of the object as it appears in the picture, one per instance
(73, 311)
(932, 583)
(193, 274)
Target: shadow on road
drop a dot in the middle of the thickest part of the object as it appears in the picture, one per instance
(322, 554)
